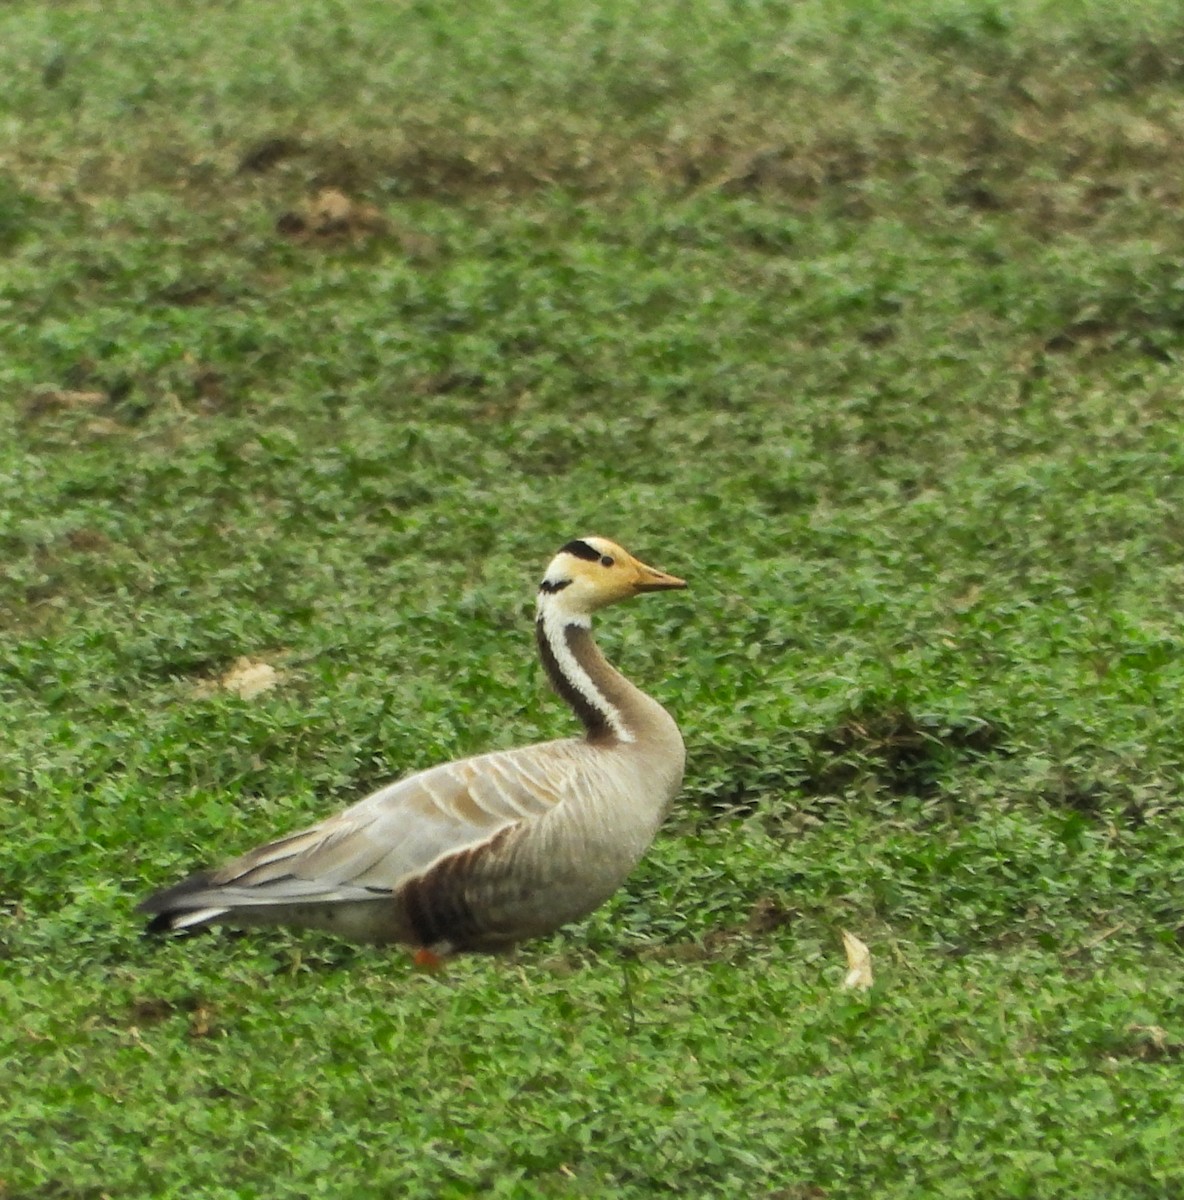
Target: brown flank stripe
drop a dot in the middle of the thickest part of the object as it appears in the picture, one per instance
(435, 902)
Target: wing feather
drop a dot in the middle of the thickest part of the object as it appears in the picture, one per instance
(368, 851)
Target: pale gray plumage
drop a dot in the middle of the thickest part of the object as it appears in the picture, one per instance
(482, 853)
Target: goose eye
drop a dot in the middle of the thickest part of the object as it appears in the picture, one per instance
(606, 560)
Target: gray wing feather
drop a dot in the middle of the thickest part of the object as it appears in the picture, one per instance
(396, 833)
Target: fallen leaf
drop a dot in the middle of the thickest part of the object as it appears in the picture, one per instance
(859, 963)
(201, 1021)
(248, 678)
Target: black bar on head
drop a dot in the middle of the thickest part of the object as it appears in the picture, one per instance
(581, 550)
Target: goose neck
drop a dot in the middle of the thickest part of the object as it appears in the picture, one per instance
(599, 695)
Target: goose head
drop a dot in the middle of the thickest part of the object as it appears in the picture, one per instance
(592, 572)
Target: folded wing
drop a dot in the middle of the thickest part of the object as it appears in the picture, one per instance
(366, 854)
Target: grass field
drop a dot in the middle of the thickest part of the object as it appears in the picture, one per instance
(322, 326)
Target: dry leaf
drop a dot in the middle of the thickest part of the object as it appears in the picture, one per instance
(859, 963)
(201, 1021)
(248, 678)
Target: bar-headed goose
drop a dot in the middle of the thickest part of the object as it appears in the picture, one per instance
(482, 853)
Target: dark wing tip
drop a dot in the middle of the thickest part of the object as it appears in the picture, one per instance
(160, 924)
(169, 903)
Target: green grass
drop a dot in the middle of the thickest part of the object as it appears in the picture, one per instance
(865, 317)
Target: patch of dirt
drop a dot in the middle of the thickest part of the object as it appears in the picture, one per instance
(767, 914)
(1146, 333)
(973, 190)
(88, 541)
(152, 1012)
(887, 748)
(331, 216)
(155, 1010)
(1149, 1043)
(1100, 800)
(786, 169)
(47, 401)
(900, 752)
(87, 399)
(210, 392)
(269, 152)
(189, 293)
(445, 383)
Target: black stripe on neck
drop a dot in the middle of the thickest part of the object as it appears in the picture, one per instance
(551, 588)
(581, 550)
(594, 720)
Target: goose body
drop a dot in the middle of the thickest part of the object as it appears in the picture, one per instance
(485, 852)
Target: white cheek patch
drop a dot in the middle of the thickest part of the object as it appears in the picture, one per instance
(566, 608)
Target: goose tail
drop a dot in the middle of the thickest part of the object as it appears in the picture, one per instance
(176, 909)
